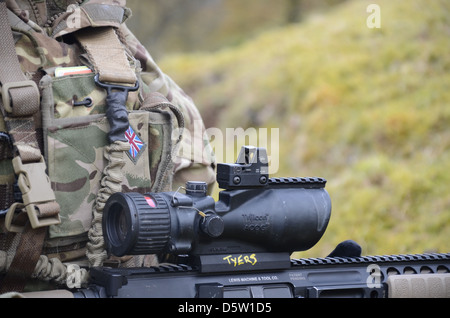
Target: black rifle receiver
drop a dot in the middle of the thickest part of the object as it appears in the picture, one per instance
(383, 276)
(263, 220)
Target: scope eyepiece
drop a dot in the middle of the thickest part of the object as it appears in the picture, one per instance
(135, 224)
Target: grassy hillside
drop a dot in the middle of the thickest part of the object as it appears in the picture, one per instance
(367, 109)
(186, 26)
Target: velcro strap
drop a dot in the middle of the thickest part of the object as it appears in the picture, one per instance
(107, 55)
(90, 14)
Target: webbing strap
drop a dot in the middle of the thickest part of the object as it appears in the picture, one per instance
(16, 88)
(107, 55)
(25, 259)
(20, 96)
(19, 102)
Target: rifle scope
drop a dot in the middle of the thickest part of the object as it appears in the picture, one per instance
(263, 215)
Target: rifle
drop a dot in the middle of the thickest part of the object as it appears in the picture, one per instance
(240, 246)
(393, 276)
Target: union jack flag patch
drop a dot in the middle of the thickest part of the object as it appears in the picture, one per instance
(137, 146)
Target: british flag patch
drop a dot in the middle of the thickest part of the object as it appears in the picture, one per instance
(136, 144)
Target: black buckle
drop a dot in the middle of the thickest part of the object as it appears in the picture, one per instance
(110, 87)
(116, 111)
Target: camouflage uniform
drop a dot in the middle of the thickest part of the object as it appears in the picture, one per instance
(162, 118)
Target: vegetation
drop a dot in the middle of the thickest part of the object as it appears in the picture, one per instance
(367, 109)
(206, 25)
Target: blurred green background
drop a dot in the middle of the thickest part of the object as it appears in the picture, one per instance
(366, 108)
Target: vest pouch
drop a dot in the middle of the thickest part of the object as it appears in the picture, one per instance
(78, 95)
(75, 154)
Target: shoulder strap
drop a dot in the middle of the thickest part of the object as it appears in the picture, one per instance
(18, 104)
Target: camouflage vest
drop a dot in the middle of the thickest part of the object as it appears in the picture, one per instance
(73, 131)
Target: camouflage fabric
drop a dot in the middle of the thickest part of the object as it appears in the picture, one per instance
(195, 157)
(75, 137)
